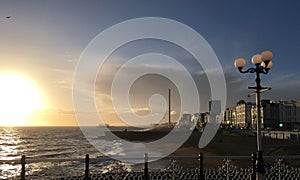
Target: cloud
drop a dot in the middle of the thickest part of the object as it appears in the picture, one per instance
(284, 79)
(61, 78)
(141, 110)
(55, 111)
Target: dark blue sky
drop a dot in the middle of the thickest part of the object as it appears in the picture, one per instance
(44, 39)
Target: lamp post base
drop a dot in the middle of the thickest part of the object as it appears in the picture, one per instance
(260, 166)
(260, 176)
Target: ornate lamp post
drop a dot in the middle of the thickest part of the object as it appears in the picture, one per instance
(263, 63)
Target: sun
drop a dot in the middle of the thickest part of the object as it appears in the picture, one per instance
(18, 99)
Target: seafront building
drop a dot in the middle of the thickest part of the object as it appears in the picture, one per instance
(186, 120)
(289, 114)
(202, 119)
(269, 113)
(243, 114)
(214, 115)
(277, 115)
(229, 117)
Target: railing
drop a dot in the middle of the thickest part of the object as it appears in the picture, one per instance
(281, 134)
(225, 171)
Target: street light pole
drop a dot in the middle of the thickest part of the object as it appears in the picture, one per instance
(262, 64)
(260, 165)
(258, 88)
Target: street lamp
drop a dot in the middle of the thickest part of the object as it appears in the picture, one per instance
(263, 63)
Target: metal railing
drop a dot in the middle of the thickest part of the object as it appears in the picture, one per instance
(226, 171)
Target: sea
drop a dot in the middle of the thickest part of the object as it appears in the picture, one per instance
(49, 143)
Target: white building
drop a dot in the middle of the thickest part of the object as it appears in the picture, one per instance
(230, 117)
(243, 114)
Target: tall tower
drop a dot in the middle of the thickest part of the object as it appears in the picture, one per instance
(169, 106)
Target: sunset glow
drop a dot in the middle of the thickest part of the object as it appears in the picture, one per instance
(43, 43)
(18, 99)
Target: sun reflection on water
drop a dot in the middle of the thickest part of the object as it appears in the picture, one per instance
(9, 141)
(9, 144)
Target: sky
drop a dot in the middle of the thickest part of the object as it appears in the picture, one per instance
(44, 40)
